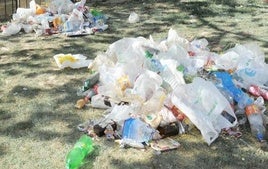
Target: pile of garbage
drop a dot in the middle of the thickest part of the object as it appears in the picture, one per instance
(57, 16)
(151, 90)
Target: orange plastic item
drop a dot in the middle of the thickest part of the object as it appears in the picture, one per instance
(251, 109)
(57, 22)
(39, 10)
(177, 113)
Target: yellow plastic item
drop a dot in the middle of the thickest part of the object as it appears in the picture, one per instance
(67, 57)
(123, 82)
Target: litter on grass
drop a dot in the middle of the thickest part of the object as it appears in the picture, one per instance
(156, 89)
(57, 16)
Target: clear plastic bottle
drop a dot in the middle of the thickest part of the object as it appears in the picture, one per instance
(256, 121)
(153, 64)
(89, 83)
(224, 81)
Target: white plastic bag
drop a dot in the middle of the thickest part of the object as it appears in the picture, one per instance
(170, 74)
(147, 84)
(11, 29)
(167, 117)
(133, 17)
(60, 6)
(228, 60)
(73, 61)
(203, 104)
(75, 21)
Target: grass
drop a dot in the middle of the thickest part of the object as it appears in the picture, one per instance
(37, 114)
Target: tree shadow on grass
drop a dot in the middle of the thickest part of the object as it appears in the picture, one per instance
(3, 150)
(4, 115)
(44, 114)
(225, 154)
(19, 129)
(241, 36)
(25, 91)
(28, 128)
(46, 118)
(168, 13)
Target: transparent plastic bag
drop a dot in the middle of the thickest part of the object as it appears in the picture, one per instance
(228, 60)
(170, 74)
(137, 130)
(146, 84)
(60, 6)
(203, 104)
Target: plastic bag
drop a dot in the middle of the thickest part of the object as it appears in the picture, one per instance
(133, 17)
(60, 6)
(170, 74)
(174, 39)
(203, 104)
(74, 22)
(257, 74)
(136, 130)
(147, 84)
(167, 116)
(227, 61)
(11, 29)
(120, 113)
(73, 61)
(27, 28)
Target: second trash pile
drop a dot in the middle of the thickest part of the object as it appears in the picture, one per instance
(152, 90)
(56, 16)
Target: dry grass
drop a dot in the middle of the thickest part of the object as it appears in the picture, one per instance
(37, 114)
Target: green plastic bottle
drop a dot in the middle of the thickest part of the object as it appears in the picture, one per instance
(95, 12)
(82, 148)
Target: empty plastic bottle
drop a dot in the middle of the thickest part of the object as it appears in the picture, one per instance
(153, 64)
(89, 83)
(82, 148)
(256, 121)
(224, 81)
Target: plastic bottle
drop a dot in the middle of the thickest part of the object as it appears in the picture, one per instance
(153, 64)
(89, 83)
(95, 12)
(82, 148)
(174, 78)
(258, 91)
(98, 16)
(256, 121)
(224, 81)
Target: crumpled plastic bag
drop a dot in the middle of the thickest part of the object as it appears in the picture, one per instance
(203, 104)
(73, 61)
(12, 29)
(60, 6)
(138, 131)
(133, 17)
